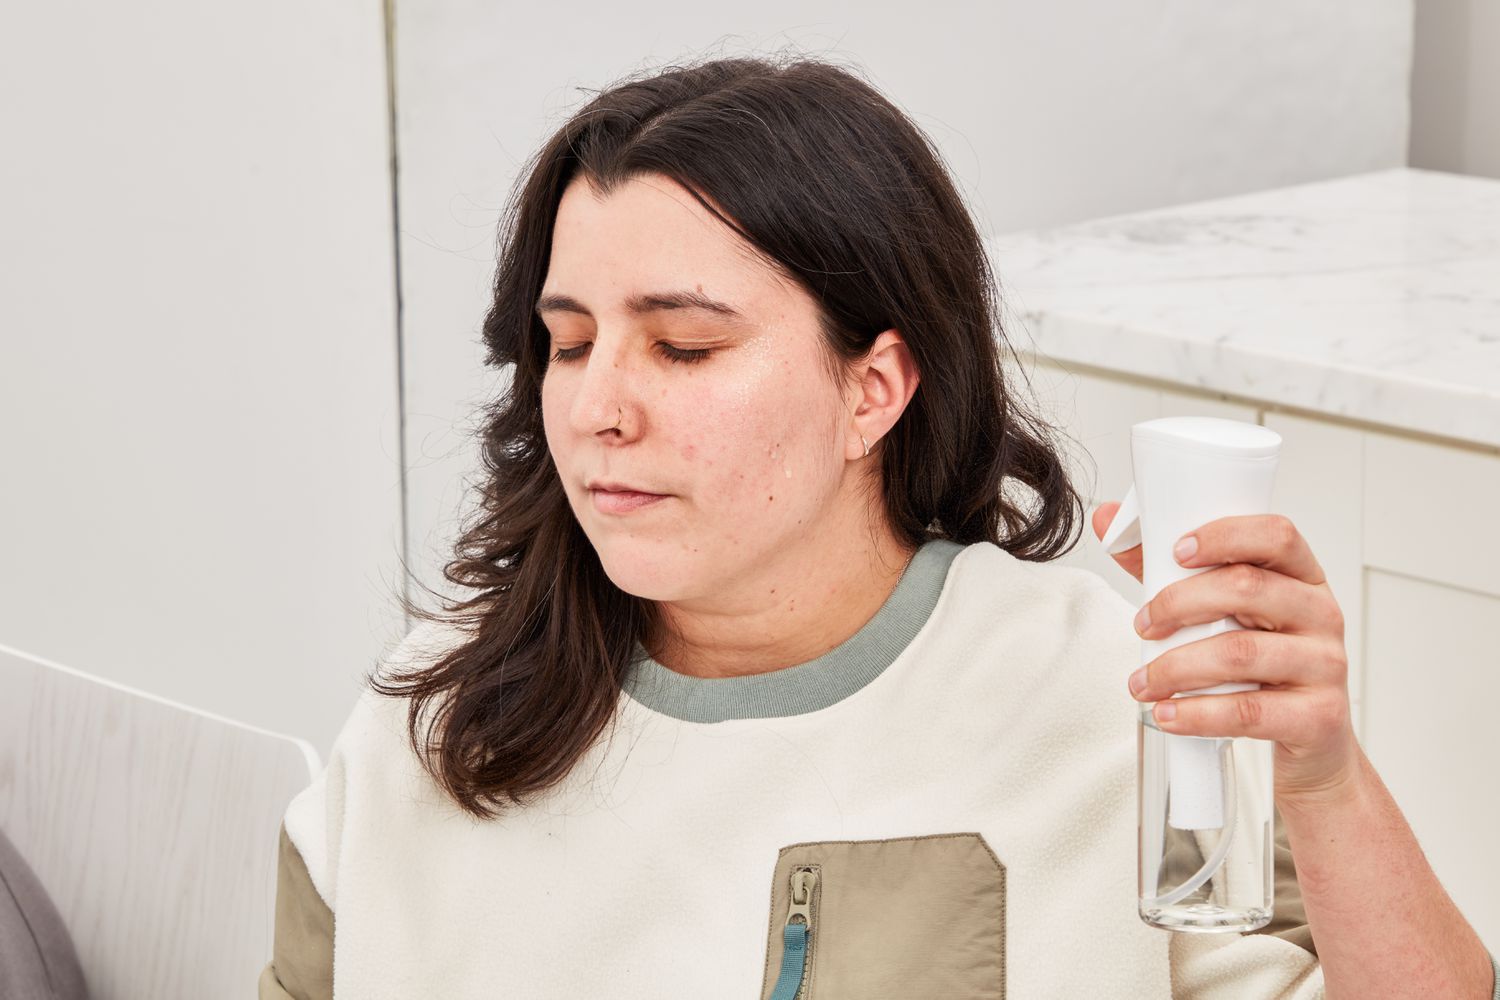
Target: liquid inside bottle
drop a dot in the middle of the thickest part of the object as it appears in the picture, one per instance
(1206, 830)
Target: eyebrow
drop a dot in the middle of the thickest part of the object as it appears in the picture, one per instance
(644, 303)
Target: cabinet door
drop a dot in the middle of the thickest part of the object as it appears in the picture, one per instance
(1320, 486)
(1431, 686)
(1430, 511)
(1432, 670)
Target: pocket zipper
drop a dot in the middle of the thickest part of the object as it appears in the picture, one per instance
(796, 936)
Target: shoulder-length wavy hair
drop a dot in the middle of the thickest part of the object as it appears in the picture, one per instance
(832, 184)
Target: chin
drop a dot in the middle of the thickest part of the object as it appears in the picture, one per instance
(649, 568)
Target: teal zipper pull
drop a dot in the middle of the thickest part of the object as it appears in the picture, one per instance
(795, 945)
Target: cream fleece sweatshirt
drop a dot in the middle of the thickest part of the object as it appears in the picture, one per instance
(961, 770)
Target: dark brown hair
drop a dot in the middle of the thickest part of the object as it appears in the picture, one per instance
(834, 186)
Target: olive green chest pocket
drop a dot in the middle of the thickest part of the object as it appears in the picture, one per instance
(874, 919)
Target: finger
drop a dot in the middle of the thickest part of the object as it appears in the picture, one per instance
(1242, 655)
(1255, 597)
(1130, 559)
(1297, 717)
(1269, 540)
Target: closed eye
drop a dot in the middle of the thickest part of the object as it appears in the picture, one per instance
(673, 354)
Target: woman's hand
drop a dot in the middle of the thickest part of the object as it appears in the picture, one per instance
(1293, 645)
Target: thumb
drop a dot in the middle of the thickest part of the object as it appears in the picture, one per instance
(1130, 559)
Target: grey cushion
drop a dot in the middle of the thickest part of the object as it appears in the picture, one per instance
(37, 960)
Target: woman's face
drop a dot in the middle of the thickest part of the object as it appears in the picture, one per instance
(748, 442)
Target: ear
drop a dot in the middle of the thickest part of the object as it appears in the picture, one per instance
(887, 381)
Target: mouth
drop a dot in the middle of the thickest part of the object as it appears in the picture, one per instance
(615, 486)
(624, 501)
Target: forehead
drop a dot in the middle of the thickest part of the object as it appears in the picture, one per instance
(651, 233)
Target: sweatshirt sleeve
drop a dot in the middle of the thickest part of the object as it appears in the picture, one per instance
(312, 835)
(309, 844)
(1276, 962)
(301, 966)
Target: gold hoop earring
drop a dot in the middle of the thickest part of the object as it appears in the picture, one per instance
(867, 446)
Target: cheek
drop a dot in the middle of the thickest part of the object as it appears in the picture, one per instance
(768, 450)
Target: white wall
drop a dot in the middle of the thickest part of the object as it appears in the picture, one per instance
(199, 414)
(1048, 113)
(1455, 87)
(198, 381)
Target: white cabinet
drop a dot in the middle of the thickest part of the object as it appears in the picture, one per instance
(1433, 684)
(1431, 664)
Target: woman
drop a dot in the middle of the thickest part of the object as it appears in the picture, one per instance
(751, 504)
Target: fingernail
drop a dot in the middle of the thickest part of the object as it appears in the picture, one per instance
(1143, 618)
(1138, 681)
(1186, 546)
(1166, 711)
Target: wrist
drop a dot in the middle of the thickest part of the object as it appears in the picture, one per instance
(1342, 788)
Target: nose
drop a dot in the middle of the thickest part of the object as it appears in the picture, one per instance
(603, 390)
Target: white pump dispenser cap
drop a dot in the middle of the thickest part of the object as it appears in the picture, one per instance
(1189, 471)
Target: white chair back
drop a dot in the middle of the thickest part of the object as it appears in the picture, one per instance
(152, 825)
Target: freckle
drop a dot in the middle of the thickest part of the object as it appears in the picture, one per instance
(768, 499)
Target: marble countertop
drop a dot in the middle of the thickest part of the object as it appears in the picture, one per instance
(1374, 297)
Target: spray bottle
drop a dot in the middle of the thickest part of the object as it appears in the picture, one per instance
(1206, 820)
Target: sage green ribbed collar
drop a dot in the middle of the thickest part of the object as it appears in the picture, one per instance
(816, 684)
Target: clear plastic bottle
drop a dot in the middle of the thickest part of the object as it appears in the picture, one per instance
(1206, 804)
(1205, 875)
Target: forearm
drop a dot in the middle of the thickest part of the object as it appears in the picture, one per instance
(1383, 923)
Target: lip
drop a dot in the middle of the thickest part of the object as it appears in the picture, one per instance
(623, 501)
(613, 486)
